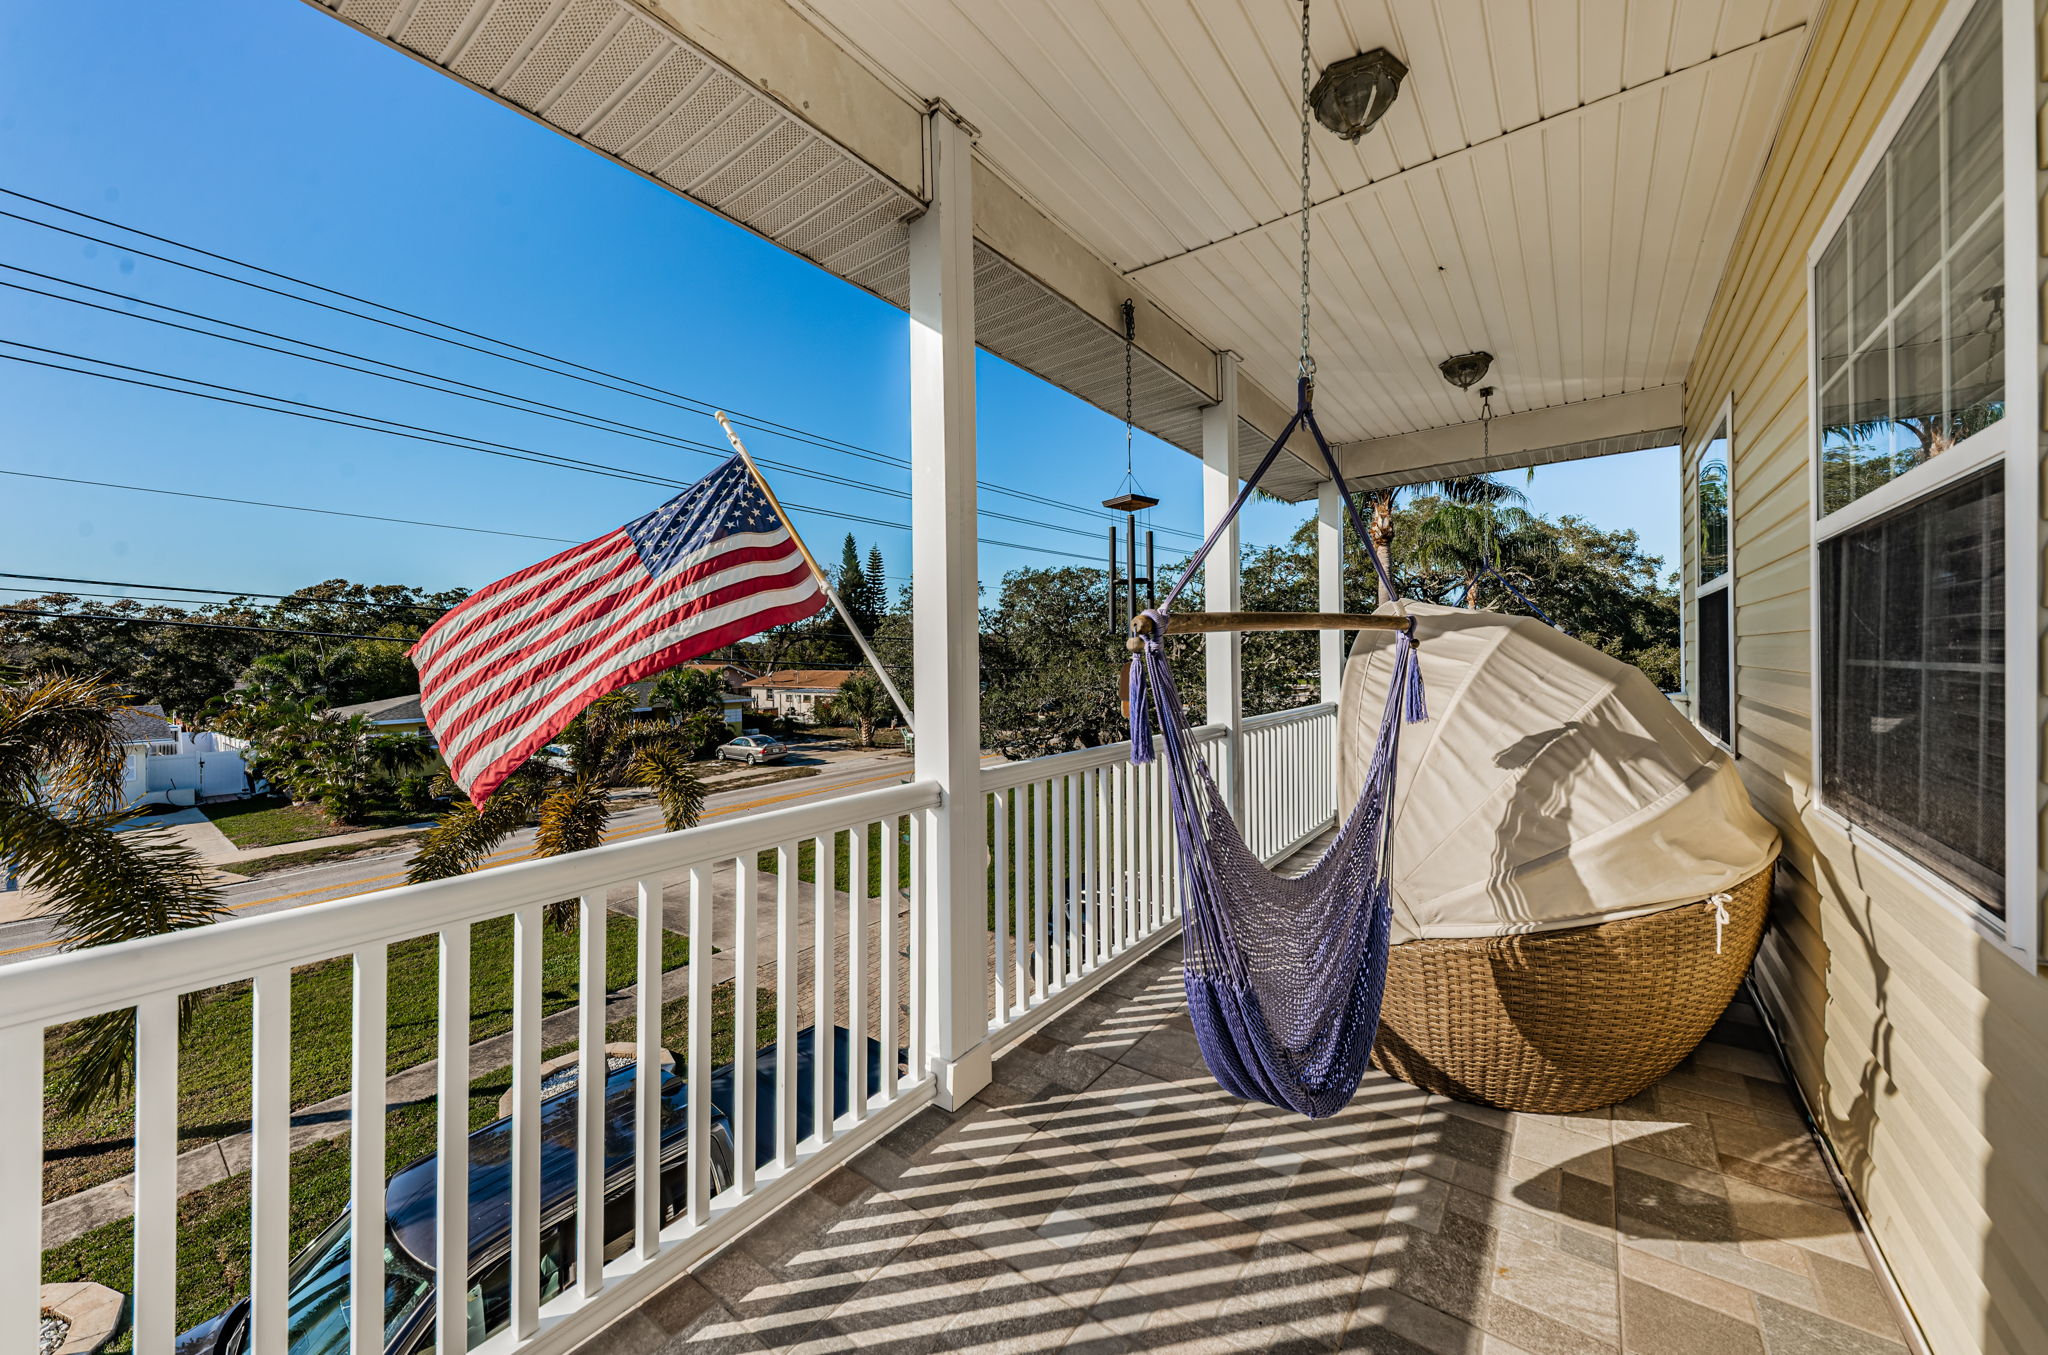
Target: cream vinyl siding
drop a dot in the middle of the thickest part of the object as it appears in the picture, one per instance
(1921, 1046)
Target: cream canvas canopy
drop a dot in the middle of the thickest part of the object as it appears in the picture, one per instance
(1553, 786)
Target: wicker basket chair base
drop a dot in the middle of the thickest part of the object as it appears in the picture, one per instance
(1551, 1022)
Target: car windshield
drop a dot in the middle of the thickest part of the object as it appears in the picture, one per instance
(318, 1292)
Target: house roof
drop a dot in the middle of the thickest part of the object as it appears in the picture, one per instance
(805, 679)
(388, 710)
(143, 724)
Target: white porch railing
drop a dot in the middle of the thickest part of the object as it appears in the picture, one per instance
(1082, 875)
(673, 1221)
(1083, 865)
(1289, 778)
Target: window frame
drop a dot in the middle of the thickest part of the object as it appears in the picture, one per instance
(1723, 428)
(2018, 935)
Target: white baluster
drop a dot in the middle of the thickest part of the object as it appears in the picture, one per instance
(647, 1072)
(593, 1078)
(451, 1147)
(787, 960)
(999, 834)
(366, 1160)
(527, 925)
(156, 1170)
(747, 964)
(824, 989)
(270, 1187)
(702, 946)
(890, 942)
(915, 928)
(21, 1186)
(1041, 891)
(857, 969)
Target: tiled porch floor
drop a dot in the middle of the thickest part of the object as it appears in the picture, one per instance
(1103, 1195)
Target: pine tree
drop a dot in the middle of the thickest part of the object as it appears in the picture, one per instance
(878, 588)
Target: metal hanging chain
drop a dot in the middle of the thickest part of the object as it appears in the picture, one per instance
(1307, 368)
(1130, 311)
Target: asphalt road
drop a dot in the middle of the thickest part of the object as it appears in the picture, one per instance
(31, 938)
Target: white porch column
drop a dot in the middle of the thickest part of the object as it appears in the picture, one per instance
(1224, 685)
(1330, 582)
(945, 615)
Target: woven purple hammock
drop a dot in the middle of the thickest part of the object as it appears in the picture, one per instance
(1283, 975)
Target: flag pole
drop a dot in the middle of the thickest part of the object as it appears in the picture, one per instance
(824, 580)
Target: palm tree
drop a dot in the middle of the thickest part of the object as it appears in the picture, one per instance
(608, 745)
(863, 703)
(1464, 491)
(1465, 541)
(61, 811)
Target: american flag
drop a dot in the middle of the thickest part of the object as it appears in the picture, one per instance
(503, 673)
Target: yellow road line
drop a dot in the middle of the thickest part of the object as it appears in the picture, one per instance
(503, 858)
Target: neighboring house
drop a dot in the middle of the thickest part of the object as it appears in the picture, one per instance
(392, 715)
(798, 693)
(165, 764)
(732, 709)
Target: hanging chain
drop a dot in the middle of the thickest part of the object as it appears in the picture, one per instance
(1308, 363)
(1130, 341)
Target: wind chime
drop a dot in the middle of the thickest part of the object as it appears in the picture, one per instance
(1123, 591)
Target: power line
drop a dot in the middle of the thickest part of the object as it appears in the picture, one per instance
(559, 413)
(7, 609)
(420, 433)
(218, 592)
(290, 507)
(645, 391)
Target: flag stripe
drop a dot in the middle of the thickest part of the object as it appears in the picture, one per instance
(617, 566)
(552, 710)
(661, 660)
(583, 612)
(506, 670)
(571, 662)
(488, 597)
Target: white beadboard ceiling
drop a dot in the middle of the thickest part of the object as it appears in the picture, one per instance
(1559, 182)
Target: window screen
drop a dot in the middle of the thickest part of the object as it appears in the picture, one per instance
(1908, 296)
(1912, 681)
(1715, 705)
(1714, 509)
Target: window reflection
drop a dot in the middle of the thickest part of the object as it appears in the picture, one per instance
(1908, 306)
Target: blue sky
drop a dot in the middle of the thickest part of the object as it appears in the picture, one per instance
(271, 133)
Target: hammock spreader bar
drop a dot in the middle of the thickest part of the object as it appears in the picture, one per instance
(1283, 975)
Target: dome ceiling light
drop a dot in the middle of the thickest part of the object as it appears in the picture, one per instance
(1356, 92)
(1465, 370)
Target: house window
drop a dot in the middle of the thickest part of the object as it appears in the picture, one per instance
(1913, 681)
(1713, 618)
(1909, 526)
(1908, 294)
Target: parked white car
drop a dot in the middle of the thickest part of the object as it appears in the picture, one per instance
(752, 749)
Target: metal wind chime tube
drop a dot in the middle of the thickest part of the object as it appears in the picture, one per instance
(1123, 592)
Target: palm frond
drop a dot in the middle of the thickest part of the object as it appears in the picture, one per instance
(466, 835)
(573, 818)
(676, 784)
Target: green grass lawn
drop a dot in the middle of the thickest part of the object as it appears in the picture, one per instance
(340, 851)
(213, 1224)
(214, 1061)
(877, 855)
(269, 821)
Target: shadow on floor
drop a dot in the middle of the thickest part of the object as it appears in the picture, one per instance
(1104, 1195)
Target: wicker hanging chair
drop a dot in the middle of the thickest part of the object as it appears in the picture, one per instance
(1579, 878)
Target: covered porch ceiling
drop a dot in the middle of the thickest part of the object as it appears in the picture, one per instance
(1559, 184)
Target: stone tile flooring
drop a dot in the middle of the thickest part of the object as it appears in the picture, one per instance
(1104, 1196)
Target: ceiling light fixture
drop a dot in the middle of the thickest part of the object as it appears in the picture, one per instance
(1356, 92)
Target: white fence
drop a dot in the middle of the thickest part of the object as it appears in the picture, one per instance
(1289, 778)
(673, 1221)
(1083, 877)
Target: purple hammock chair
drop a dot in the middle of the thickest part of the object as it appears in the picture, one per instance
(1283, 975)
